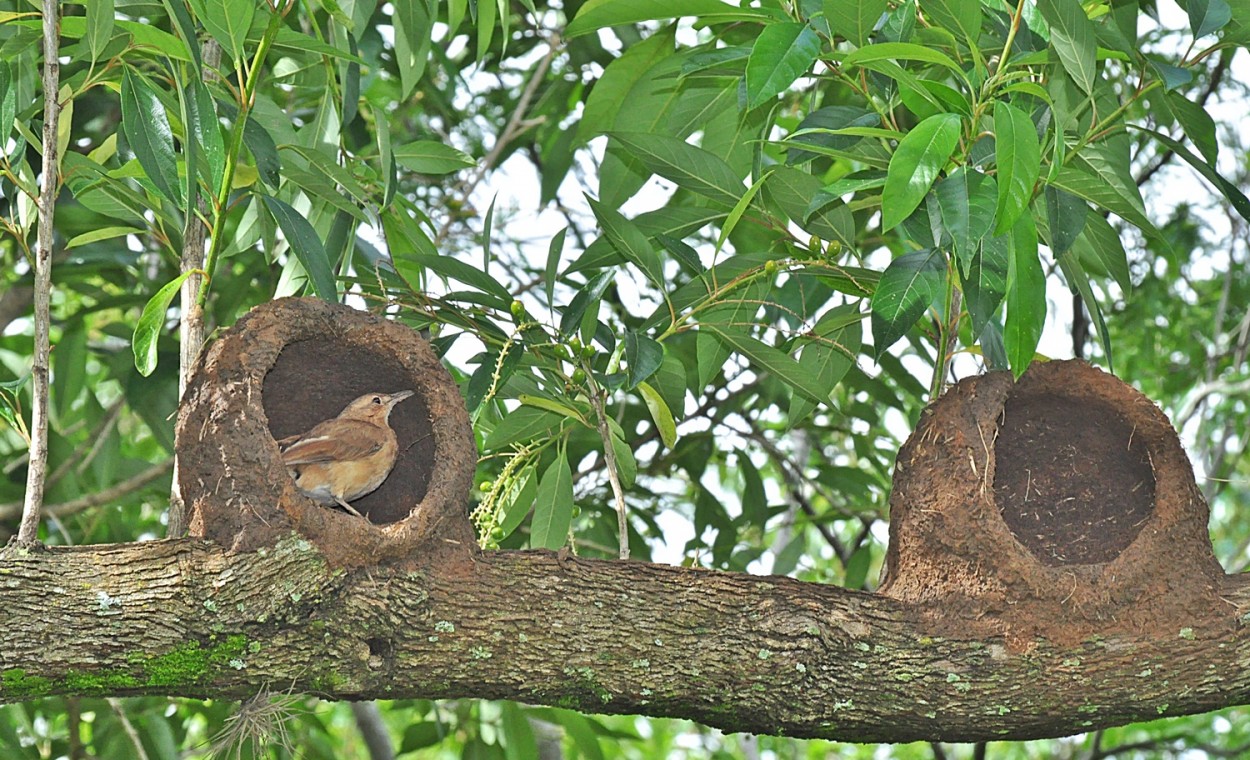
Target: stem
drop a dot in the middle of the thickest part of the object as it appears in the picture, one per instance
(28, 533)
(609, 458)
(236, 143)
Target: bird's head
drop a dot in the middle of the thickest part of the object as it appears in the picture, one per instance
(375, 406)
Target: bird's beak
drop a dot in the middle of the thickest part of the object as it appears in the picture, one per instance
(395, 398)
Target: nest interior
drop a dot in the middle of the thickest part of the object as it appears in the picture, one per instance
(1058, 506)
(1071, 481)
(312, 380)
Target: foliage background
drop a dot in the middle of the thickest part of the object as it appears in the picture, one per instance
(555, 191)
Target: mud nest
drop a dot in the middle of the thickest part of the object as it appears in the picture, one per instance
(1058, 506)
(281, 369)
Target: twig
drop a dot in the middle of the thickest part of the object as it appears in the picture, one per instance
(128, 727)
(609, 458)
(28, 532)
(112, 493)
(517, 124)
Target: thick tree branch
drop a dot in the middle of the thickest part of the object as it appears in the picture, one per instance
(740, 652)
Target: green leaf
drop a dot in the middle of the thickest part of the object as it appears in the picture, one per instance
(629, 240)
(854, 19)
(553, 506)
(690, 167)
(207, 130)
(455, 269)
(781, 54)
(962, 16)
(432, 157)
(771, 360)
(8, 101)
(1072, 35)
(102, 233)
(152, 321)
(1230, 191)
(626, 464)
(1018, 155)
(589, 294)
(1099, 245)
(611, 91)
(857, 567)
(518, 501)
(643, 356)
(966, 199)
(69, 367)
(1078, 282)
(524, 424)
(228, 21)
(99, 26)
(829, 353)
(306, 245)
(602, 13)
(919, 158)
(1207, 16)
(554, 249)
(420, 735)
(413, 23)
(1065, 218)
(985, 283)
(1026, 296)
(908, 286)
(147, 129)
(264, 151)
(902, 51)
(822, 128)
(517, 734)
(661, 415)
(1198, 125)
(1105, 191)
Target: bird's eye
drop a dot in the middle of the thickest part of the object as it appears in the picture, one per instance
(377, 399)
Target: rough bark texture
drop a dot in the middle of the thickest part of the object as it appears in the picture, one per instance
(744, 653)
(1049, 574)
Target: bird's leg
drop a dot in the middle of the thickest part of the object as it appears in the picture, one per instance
(349, 507)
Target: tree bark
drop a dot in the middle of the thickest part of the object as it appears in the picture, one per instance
(734, 651)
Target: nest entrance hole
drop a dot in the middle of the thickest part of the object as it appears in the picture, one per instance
(1072, 482)
(312, 380)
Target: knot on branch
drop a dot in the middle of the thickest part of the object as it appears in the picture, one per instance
(1059, 506)
(288, 365)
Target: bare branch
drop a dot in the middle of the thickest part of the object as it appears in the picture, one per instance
(28, 532)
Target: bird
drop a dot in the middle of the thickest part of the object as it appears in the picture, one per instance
(341, 459)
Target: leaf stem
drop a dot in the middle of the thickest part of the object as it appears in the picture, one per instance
(246, 98)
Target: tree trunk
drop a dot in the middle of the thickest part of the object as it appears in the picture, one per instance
(734, 651)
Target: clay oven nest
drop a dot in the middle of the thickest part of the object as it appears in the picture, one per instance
(1058, 506)
(287, 365)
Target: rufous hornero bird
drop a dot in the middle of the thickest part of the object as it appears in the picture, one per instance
(341, 459)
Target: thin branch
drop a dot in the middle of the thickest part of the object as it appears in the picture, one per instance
(112, 493)
(517, 124)
(128, 727)
(373, 730)
(609, 459)
(28, 532)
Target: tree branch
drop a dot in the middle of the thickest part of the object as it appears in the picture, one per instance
(739, 652)
(28, 531)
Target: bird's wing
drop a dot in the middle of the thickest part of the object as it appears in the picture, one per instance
(343, 440)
